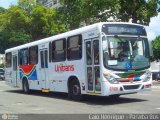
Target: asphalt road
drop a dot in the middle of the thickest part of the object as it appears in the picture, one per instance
(13, 101)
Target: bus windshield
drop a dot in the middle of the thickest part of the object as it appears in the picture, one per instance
(126, 53)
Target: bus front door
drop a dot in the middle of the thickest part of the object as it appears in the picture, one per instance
(93, 65)
(15, 81)
(43, 68)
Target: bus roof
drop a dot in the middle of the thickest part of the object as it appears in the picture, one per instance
(66, 34)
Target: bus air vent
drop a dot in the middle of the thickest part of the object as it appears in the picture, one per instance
(130, 87)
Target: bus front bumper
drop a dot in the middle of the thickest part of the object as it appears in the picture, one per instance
(126, 88)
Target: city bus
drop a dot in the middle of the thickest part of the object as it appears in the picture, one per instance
(103, 59)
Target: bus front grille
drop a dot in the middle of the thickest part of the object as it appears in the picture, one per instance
(130, 87)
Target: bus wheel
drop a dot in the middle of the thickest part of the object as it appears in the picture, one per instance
(25, 86)
(75, 91)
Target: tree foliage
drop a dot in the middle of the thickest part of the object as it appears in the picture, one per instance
(140, 11)
(27, 22)
(44, 23)
(73, 12)
(2, 10)
(156, 48)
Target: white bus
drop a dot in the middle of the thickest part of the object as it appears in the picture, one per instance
(105, 59)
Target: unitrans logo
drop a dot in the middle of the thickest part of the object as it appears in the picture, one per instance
(63, 68)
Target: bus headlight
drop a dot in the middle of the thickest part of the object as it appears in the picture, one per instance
(110, 78)
(146, 76)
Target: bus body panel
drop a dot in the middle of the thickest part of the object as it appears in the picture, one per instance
(54, 75)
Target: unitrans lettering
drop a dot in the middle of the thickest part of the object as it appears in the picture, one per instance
(62, 68)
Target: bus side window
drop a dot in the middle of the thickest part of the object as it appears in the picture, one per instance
(8, 59)
(74, 47)
(96, 51)
(23, 56)
(33, 55)
(59, 50)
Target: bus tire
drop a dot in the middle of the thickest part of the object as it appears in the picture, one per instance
(75, 90)
(26, 89)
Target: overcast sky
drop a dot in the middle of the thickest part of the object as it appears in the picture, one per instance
(153, 29)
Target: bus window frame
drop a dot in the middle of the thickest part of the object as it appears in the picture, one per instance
(53, 49)
(80, 45)
(29, 56)
(10, 63)
(19, 56)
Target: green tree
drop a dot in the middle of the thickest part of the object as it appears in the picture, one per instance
(27, 22)
(2, 10)
(14, 23)
(15, 19)
(12, 39)
(27, 5)
(73, 12)
(139, 11)
(156, 48)
(44, 23)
